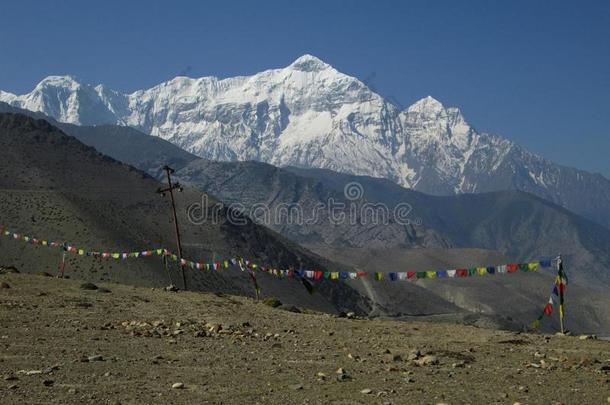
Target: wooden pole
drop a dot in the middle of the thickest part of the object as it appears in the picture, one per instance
(560, 287)
(62, 264)
(170, 188)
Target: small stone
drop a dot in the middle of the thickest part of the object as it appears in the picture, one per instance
(366, 391)
(4, 285)
(13, 387)
(96, 357)
(72, 391)
(340, 370)
(88, 286)
(413, 355)
(459, 364)
(343, 377)
(350, 315)
(587, 337)
(178, 386)
(171, 288)
(48, 383)
(296, 387)
(393, 357)
(427, 360)
(31, 372)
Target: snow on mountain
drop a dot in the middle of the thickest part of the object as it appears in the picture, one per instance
(309, 114)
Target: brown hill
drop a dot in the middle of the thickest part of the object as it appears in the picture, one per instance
(55, 187)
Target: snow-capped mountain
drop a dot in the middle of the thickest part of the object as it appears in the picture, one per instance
(309, 114)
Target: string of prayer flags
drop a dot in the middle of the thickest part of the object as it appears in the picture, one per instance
(303, 275)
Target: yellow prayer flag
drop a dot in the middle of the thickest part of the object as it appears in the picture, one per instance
(431, 274)
(116, 255)
(81, 252)
(533, 265)
(482, 271)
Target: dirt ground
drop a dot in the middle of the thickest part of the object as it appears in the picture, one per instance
(61, 343)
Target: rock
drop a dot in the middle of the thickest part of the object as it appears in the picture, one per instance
(48, 383)
(389, 357)
(88, 286)
(213, 327)
(604, 368)
(350, 315)
(8, 269)
(49, 370)
(341, 370)
(427, 360)
(96, 357)
(366, 391)
(4, 285)
(587, 337)
(343, 377)
(30, 372)
(171, 288)
(414, 354)
(272, 302)
(296, 387)
(290, 308)
(459, 364)
(72, 391)
(321, 376)
(177, 386)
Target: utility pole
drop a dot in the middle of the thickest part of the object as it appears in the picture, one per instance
(170, 188)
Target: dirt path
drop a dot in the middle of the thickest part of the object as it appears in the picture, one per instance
(60, 343)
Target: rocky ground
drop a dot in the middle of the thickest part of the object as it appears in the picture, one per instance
(63, 341)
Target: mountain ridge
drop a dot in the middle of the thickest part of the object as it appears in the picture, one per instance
(309, 114)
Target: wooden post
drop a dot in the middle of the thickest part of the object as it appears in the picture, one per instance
(62, 264)
(560, 287)
(171, 188)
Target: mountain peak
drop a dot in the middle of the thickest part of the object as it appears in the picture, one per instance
(309, 63)
(427, 105)
(67, 81)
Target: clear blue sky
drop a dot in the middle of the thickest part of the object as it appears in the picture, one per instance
(537, 72)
